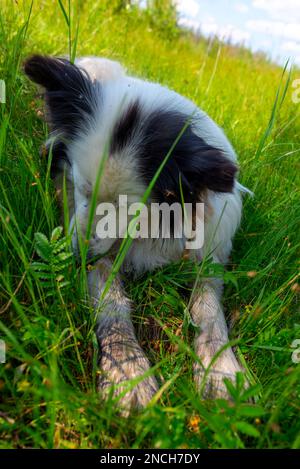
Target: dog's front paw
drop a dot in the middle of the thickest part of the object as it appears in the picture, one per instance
(122, 369)
(212, 384)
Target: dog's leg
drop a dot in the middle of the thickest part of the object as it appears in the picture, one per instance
(121, 357)
(207, 314)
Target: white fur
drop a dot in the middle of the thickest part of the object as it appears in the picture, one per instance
(120, 173)
(100, 68)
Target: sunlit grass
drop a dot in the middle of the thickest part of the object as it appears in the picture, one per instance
(48, 392)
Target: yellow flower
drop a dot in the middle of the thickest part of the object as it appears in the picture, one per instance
(23, 385)
(194, 423)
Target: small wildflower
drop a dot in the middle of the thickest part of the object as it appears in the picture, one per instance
(69, 444)
(158, 444)
(23, 386)
(251, 273)
(194, 423)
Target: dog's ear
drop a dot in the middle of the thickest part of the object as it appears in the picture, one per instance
(70, 94)
(193, 165)
(202, 168)
(55, 73)
(211, 169)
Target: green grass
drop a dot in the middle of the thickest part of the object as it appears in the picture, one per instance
(48, 394)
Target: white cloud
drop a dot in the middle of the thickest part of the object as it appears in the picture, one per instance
(211, 28)
(284, 10)
(291, 46)
(188, 7)
(241, 7)
(189, 23)
(280, 29)
(227, 31)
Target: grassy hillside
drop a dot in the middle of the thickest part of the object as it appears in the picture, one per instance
(48, 397)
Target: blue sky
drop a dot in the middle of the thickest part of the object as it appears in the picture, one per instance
(272, 26)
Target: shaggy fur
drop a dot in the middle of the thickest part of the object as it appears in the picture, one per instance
(94, 107)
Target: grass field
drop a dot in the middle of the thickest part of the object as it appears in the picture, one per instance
(48, 396)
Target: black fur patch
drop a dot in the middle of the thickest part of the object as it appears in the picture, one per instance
(126, 127)
(69, 94)
(198, 165)
(59, 157)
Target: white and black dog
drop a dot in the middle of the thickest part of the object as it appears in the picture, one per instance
(94, 107)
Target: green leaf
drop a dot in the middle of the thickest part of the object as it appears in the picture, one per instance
(230, 277)
(251, 410)
(63, 256)
(67, 20)
(57, 257)
(56, 234)
(251, 392)
(40, 266)
(247, 429)
(231, 388)
(42, 246)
